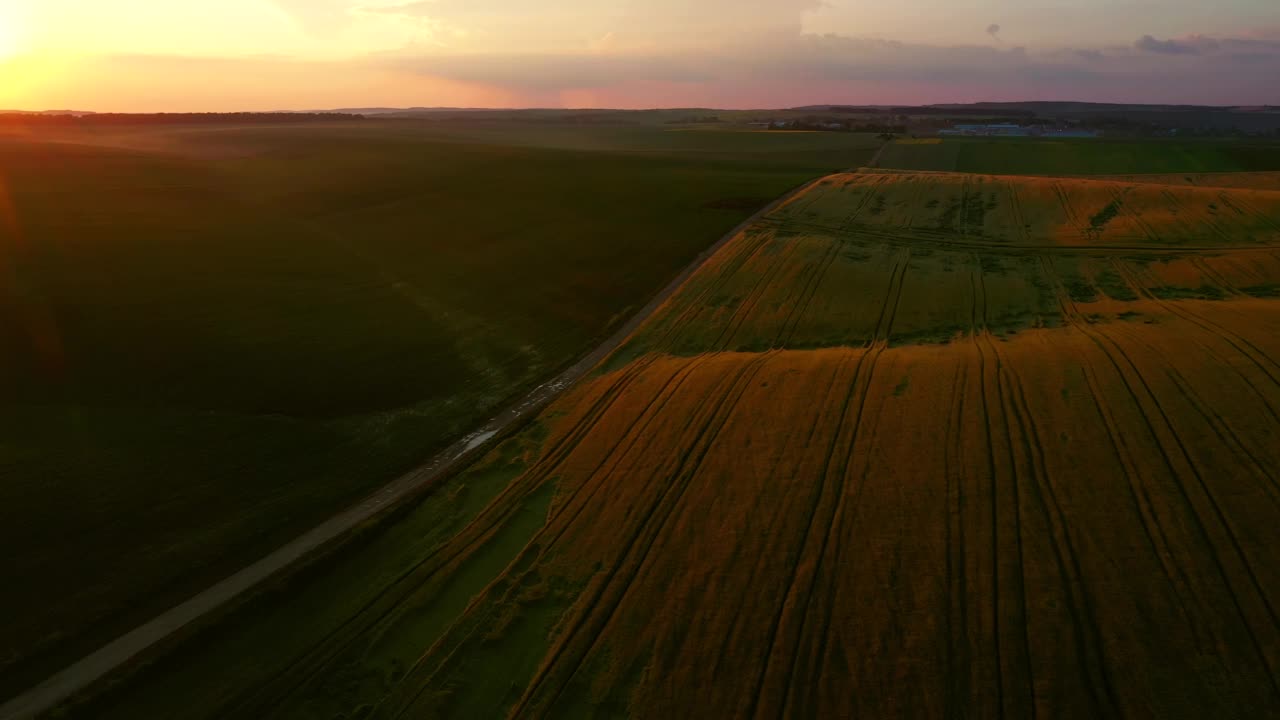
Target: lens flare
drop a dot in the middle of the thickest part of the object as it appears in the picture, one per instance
(28, 324)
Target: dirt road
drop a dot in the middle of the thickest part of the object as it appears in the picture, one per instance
(874, 162)
(118, 653)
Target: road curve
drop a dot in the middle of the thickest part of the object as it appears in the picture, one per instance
(116, 654)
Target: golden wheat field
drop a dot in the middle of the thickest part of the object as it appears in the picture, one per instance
(1018, 457)
(914, 445)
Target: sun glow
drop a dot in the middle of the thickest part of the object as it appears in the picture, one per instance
(9, 34)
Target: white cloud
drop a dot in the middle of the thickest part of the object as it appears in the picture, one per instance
(567, 24)
(318, 17)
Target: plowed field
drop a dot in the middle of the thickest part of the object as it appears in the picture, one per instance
(916, 445)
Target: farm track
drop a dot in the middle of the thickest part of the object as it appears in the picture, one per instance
(117, 654)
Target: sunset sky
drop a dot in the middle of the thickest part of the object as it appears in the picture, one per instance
(206, 55)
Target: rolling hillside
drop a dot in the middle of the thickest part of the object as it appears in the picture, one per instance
(915, 444)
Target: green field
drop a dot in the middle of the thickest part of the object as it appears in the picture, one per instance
(216, 337)
(1097, 156)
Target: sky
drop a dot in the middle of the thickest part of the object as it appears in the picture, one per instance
(224, 55)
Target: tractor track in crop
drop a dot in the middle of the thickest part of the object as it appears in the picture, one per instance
(1219, 280)
(1243, 207)
(556, 523)
(369, 618)
(1223, 431)
(981, 324)
(1020, 619)
(818, 496)
(611, 461)
(1115, 354)
(1149, 518)
(1221, 428)
(406, 692)
(848, 506)
(868, 195)
(1259, 358)
(857, 388)
(1091, 659)
(958, 660)
(752, 245)
(1219, 515)
(599, 609)
(744, 309)
(1118, 198)
(1068, 208)
(1019, 217)
(820, 420)
(860, 388)
(812, 519)
(806, 295)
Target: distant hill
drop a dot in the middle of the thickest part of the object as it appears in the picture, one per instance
(1059, 107)
(1211, 119)
(394, 111)
(73, 113)
(69, 119)
(1122, 118)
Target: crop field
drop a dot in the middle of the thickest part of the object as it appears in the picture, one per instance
(1260, 180)
(1088, 156)
(914, 445)
(215, 337)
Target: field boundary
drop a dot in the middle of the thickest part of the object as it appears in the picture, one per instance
(118, 654)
